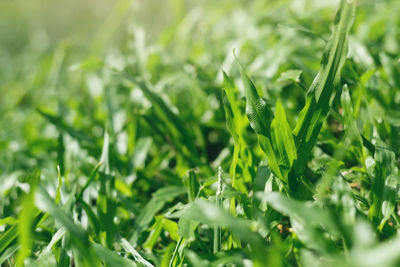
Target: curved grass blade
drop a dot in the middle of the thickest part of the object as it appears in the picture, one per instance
(129, 248)
(260, 117)
(257, 110)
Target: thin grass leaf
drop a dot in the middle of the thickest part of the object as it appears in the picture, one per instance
(283, 141)
(8, 238)
(56, 237)
(63, 126)
(192, 185)
(230, 117)
(174, 255)
(385, 165)
(112, 258)
(218, 202)
(350, 124)
(92, 176)
(78, 236)
(58, 189)
(8, 253)
(136, 255)
(153, 206)
(181, 137)
(302, 29)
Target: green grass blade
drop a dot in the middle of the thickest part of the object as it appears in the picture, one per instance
(136, 255)
(153, 206)
(260, 117)
(58, 121)
(385, 165)
(319, 94)
(192, 185)
(283, 141)
(181, 137)
(257, 110)
(78, 236)
(7, 238)
(230, 117)
(111, 257)
(26, 221)
(306, 220)
(350, 125)
(207, 213)
(218, 202)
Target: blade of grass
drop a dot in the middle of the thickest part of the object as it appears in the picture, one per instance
(282, 140)
(78, 236)
(260, 117)
(129, 248)
(218, 202)
(26, 221)
(319, 94)
(385, 165)
(350, 124)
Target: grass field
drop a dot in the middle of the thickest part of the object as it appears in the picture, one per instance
(200, 133)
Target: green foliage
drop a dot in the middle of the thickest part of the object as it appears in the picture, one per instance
(199, 133)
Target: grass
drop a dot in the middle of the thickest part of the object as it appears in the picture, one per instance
(213, 133)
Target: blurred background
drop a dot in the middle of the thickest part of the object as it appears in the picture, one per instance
(63, 63)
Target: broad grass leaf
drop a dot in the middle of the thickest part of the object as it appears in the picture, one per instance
(319, 94)
(257, 110)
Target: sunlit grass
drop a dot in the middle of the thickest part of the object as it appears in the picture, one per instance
(200, 133)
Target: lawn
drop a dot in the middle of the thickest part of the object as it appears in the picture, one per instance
(200, 133)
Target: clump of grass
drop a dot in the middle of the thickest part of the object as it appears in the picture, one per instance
(124, 151)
